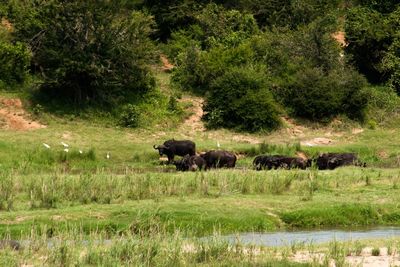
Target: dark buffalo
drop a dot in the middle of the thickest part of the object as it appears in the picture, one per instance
(266, 162)
(190, 163)
(330, 161)
(219, 159)
(279, 161)
(176, 147)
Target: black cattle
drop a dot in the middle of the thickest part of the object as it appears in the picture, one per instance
(330, 161)
(173, 147)
(219, 159)
(266, 162)
(279, 161)
(190, 163)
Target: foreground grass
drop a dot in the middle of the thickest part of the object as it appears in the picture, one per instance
(154, 249)
(198, 204)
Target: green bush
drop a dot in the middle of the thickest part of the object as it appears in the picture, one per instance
(130, 116)
(391, 62)
(316, 95)
(369, 32)
(91, 52)
(240, 99)
(15, 59)
(197, 69)
(383, 105)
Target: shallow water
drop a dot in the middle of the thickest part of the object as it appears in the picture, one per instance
(275, 239)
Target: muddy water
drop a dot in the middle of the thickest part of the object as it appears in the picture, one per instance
(314, 237)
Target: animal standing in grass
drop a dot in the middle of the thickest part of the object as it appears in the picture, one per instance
(330, 161)
(219, 159)
(190, 163)
(278, 161)
(174, 147)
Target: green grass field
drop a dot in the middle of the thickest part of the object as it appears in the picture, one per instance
(151, 211)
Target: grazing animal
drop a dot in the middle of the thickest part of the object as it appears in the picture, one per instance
(330, 161)
(279, 161)
(219, 159)
(190, 163)
(173, 147)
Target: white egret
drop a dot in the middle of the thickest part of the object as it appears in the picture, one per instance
(66, 150)
(108, 155)
(46, 146)
(64, 144)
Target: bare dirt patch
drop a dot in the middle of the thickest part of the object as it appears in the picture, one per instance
(365, 259)
(166, 65)
(319, 141)
(6, 24)
(340, 37)
(194, 121)
(14, 117)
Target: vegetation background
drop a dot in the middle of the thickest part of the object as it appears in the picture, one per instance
(112, 78)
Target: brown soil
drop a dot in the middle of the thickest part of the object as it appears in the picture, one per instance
(194, 121)
(340, 38)
(6, 24)
(319, 141)
(365, 259)
(167, 66)
(14, 117)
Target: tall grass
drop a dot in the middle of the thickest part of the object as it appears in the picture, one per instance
(265, 148)
(50, 190)
(156, 249)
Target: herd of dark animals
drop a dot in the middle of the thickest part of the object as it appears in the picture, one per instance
(220, 158)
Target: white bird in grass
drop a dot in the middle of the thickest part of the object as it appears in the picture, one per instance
(80, 151)
(64, 144)
(66, 150)
(46, 146)
(218, 145)
(108, 155)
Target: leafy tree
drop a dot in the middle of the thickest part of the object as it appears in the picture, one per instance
(213, 26)
(90, 52)
(319, 96)
(391, 60)
(14, 60)
(382, 6)
(14, 57)
(240, 99)
(368, 37)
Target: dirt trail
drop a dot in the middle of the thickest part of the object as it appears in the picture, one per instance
(194, 123)
(340, 37)
(166, 65)
(14, 117)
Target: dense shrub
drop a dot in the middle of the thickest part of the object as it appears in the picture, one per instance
(391, 59)
(383, 105)
(213, 26)
(240, 99)
(15, 59)
(91, 52)
(197, 68)
(318, 96)
(373, 30)
(129, 116)
(308, 73)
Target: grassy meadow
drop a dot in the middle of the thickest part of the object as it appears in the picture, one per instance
(73, 208)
